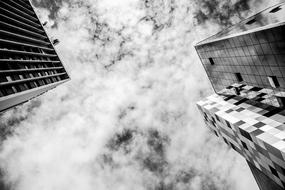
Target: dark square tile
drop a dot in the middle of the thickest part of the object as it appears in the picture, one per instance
(239, 123)
(273, 171)
(240, 109)
(257, 132)
(259, 124)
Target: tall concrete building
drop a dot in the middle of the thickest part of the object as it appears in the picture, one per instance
(29, 64)
(246, 66)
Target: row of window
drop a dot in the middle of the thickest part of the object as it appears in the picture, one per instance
(266, 66)
(271, 36)
(25, 48)
(274, 10)
(15, 77)
(273, 81)
(26, 66)
(267, 60)
(247, 70)
(246, 51)
(18, 12)
(28, 56)
(15, 88)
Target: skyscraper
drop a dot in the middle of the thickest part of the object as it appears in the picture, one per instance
(29, 64)
(246, 67)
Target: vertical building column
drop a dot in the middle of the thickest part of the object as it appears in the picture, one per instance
(263, 182)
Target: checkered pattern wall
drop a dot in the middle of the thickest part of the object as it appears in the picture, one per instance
(253, 129)
(263, 95)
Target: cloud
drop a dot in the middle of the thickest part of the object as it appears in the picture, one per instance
(53, 6)
(226, 13)
(127, 119)
(221, 12)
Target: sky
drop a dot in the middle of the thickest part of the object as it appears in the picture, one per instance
(127, 119)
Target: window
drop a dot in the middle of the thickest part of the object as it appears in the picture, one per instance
(9, 79)
(54, 79)
(22, 87)
(26, 86)
(14, 89)
(26, 76)
(41, 82)
(250, 21)
(211, 61)
(273, 81)
(3, 79)
(4, 66)
(244, 145)
(256, 89)
(48, 81)
(8, 91)
(233, 146)
(281, 101)
(237, 90)
(32, 84)
(225, 140)
(276, 9)
(245, 134)
(15, 77)
(238, 77)
(274, 172)
(1, 93)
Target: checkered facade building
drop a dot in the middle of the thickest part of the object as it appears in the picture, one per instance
(246, 67)
(256, 131)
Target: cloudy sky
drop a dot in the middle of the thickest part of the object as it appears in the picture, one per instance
(127, 119)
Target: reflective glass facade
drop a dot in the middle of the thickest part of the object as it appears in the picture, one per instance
(256, 56)
(29, 64)
(271, 16)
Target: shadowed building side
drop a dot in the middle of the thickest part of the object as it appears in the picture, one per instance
(29, 64)
(264, 182)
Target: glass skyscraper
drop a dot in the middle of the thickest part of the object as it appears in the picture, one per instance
(246, 67)
(29, 64)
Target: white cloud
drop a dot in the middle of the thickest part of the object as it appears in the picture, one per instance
(153, 84)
